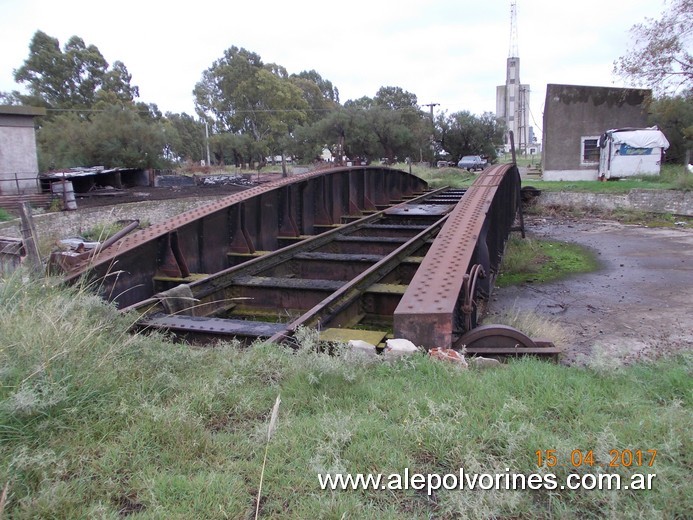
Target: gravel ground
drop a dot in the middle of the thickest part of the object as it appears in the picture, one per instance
(637, 305)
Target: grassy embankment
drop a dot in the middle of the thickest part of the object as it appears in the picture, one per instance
(672, 177)
(98, 423)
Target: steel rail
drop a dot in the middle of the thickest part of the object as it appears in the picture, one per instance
(455, 238)
(327, 312)
(207, 289)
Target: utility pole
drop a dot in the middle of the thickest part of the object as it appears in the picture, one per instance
(207, 141)
(433, 128)
(431, 105)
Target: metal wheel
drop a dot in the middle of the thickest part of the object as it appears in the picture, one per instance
(495, 336)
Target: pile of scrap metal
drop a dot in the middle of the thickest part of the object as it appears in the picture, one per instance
(81, 250)
(12, 252)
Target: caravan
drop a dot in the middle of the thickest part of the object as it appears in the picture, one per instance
(627, 152)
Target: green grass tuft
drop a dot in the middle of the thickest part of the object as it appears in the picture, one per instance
(5, 216)
(531, 260)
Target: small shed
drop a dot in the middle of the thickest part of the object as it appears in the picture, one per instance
(626, 152)
(18, 160)
(574, 118)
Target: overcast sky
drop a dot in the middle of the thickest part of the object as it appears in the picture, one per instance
(451, 52)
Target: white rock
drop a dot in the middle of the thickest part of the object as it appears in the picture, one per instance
(358, 344)
(400, 345)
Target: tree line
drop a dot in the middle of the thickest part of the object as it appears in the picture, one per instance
(250, 110)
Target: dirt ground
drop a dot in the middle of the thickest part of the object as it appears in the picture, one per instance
(639, 304)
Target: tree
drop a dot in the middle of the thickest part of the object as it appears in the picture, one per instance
(661, 57)
(185, 137)
(396, 127)
(345, 131)
(241, 95)
(395, 98)
(674, 116)
(463, 133)
(71, 78)
(318, 103)
(112, 137)
(328, 90)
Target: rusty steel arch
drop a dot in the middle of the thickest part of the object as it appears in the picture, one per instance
(239, 227)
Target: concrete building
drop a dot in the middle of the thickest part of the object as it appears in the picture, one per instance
(574, 118)
(18, 160)
(512, 106)
(512, 99)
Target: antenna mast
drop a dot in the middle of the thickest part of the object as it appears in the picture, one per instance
(514, 52)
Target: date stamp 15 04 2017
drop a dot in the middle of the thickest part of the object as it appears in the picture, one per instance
(578, 458)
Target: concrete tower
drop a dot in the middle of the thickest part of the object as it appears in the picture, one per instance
(512, 99)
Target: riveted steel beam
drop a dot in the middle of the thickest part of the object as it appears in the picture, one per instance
(262, 218)
(437, 307)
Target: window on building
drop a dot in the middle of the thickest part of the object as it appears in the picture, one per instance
(589, 150)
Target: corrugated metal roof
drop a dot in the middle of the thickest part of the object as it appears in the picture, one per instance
(70, 173)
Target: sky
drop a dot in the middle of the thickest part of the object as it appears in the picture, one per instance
(449, 52)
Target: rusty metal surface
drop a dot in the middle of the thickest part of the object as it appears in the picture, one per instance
(216, 284)
(258, 219)
(343, 304)
(495, 336)
(420, 266)
(430, 312)
(310, 283)
(213, 326)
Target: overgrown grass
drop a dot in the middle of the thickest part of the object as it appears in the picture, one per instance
(5, 216)
(533, 325)
(672, 177)
(439, 177)
(102, 231)
(531, 260)
(98, 423)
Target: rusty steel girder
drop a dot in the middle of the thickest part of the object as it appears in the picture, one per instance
(233, 229)
(440, 303)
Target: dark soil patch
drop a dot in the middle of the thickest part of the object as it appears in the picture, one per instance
(635, 306)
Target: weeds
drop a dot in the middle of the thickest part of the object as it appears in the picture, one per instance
(439, 177)
(534, 326)
(95, 422)
(101, 232)
(5, 216)
(624, 216)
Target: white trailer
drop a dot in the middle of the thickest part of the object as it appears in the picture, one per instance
(627, 152)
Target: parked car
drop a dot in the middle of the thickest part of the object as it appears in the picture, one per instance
(472, 163)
